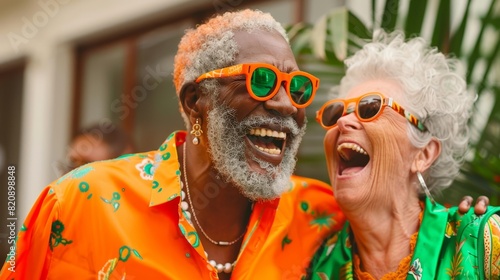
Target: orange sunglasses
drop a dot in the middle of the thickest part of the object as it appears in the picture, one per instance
(264, 80)
(368, 107)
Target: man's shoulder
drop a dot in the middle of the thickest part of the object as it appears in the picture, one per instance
(310, 201)
(298, 183)
(304, 188)
(126, 171)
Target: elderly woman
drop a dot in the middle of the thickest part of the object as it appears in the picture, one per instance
(405, 140)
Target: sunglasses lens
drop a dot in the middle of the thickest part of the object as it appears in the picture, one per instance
(332, 113)
(369, 106)
(301, 89)
(263, 81)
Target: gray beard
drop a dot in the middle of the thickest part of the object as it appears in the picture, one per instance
(227, 149)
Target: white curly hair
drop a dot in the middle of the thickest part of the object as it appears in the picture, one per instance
(435, 91)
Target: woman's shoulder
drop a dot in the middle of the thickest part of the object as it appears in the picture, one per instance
(481, 234)
(332, 257)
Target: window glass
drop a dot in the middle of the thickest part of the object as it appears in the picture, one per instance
(102, 85)
(157, 113)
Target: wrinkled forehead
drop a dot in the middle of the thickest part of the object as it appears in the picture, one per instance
(387, 87)
(264, 46)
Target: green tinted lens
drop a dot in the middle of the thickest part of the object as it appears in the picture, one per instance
(263, 81)
(301, 89)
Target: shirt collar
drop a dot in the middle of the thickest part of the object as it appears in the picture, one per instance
(165, 170)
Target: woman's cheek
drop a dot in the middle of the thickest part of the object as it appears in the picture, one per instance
(330, 143)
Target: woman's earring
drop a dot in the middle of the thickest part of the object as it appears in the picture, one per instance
(196, 131)
(424, 187)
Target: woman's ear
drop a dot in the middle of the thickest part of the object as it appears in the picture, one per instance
(426, 157)
(188, 97)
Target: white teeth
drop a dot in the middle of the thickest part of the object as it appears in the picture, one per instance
(269, 151)
(267, 132)
(351, 146)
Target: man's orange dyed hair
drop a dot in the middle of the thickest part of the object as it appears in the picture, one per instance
(211, 45)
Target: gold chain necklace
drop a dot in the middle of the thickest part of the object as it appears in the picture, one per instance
(220, 243)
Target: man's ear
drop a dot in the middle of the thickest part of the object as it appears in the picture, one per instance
(426, 157)
(188, 97)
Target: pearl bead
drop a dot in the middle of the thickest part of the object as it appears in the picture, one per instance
(228, 267)
(184, 205)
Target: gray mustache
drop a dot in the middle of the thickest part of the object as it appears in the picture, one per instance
(282, 122)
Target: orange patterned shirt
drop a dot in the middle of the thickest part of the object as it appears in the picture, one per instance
(121, 219)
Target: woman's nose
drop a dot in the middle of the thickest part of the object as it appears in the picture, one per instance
(349, 120)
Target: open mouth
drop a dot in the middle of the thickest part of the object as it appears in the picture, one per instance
(267, 140)
(353, 158)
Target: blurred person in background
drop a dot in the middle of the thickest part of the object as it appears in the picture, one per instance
(97, 142)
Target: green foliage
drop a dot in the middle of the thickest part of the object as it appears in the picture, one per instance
(322, 47)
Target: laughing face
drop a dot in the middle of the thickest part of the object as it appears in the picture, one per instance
(254, 143)
(369, 162)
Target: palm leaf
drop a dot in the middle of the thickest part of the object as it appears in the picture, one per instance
(415, 17)
(442, 27)
(458, 37)
(390, 15)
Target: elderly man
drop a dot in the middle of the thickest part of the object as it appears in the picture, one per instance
(206, 204)
(214, 203)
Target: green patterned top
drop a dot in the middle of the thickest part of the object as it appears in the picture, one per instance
(449, 246)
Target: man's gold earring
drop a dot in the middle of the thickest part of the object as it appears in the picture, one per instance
(196, 131)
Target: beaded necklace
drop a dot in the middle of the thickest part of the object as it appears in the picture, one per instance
(227, 267)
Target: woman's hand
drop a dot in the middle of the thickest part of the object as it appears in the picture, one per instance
(482, 203)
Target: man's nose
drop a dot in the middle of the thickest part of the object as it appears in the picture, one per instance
(281, 103)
